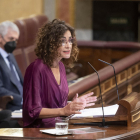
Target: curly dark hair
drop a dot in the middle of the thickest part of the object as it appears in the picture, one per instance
(49, 40)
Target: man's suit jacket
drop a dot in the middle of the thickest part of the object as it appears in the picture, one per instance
(7, 85)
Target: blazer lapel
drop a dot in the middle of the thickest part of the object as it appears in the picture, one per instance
(6, 68)
(17, 68)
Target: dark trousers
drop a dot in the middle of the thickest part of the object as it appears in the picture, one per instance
(5, 120)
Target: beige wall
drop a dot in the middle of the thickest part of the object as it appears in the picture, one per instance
(83, 19)
(50, 9)
(14, 9)
(83, 14)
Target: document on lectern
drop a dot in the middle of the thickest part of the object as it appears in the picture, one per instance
(17, 114)
(95, 112)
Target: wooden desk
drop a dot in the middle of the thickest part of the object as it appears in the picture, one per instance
(112, 132)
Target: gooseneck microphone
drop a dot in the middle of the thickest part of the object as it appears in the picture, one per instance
(114, 75)
(103, 120)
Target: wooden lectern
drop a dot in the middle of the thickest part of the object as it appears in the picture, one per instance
(128, 111)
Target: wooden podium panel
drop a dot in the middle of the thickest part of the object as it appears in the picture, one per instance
(128, 111)
(130, 105)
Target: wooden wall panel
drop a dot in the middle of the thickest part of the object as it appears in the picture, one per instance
(92, 55)
(65, 10)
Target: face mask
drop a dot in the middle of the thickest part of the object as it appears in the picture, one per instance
(10, 46)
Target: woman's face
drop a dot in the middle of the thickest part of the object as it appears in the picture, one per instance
(65, 50)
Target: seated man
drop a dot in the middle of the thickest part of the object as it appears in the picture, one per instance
(11, 80)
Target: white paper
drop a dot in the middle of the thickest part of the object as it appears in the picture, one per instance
(17, 114)
(91, 112)
(52, 131)
(18, 111)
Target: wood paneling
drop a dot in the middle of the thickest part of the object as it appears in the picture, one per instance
(65, 10)
(93, 54)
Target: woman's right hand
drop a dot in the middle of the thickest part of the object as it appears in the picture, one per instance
(73, 108)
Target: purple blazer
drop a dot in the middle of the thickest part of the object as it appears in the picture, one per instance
(40, 90)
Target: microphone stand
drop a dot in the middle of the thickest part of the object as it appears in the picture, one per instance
(103, 120)
(114, 75)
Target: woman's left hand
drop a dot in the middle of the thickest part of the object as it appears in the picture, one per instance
(87, 99)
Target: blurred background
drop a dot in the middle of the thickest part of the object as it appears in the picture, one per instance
(108, 30)
(111, 20)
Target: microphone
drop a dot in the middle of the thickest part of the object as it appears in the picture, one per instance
(114, 75)
(103, 120)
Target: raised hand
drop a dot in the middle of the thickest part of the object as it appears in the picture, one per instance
(79, 103)
(87, 99)
(73, 107)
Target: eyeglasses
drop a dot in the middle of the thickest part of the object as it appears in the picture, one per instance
(64, 41)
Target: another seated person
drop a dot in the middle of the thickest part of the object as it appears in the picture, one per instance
(45, 90)
(5, 120)
(11, 80)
